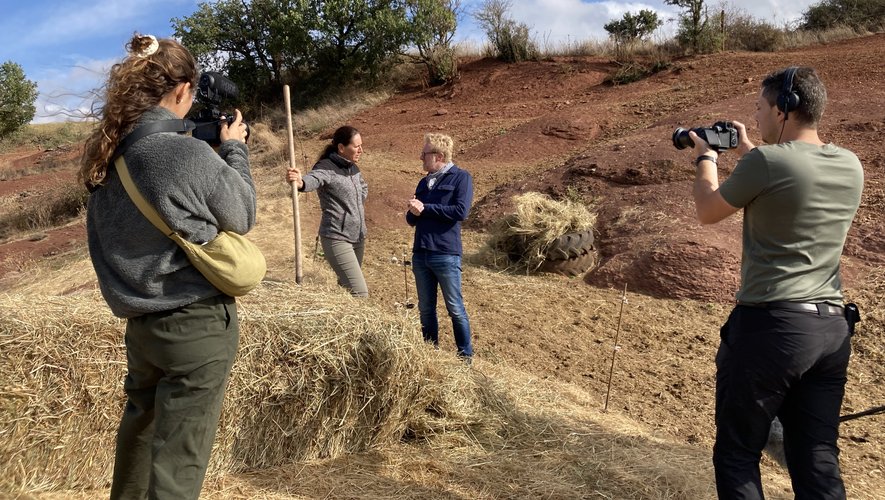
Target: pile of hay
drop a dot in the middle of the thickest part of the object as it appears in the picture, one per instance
(524, 236)
(317, 375)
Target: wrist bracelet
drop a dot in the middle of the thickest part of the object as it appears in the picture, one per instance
(701, 158)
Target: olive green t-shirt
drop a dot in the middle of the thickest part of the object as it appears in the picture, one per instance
(799, 200)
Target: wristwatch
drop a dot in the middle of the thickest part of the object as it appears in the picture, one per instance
(701, 158)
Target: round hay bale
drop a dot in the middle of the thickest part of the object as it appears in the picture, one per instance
(316, 375)
(543, 229)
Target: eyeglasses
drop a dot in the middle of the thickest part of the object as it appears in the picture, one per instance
(425, 153)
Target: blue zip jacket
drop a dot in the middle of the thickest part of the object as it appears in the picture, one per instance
(438, 228)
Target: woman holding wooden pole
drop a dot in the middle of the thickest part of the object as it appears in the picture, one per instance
(342, 193)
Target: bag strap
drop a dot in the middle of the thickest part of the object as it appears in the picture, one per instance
(146, 209)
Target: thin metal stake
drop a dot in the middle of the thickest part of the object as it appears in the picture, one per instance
(615, 350)
(406, 302)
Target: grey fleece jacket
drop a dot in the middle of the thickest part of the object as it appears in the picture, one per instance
(342, 192)
(195, 190)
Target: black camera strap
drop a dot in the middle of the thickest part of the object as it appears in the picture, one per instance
(177, 126)
(174, 125)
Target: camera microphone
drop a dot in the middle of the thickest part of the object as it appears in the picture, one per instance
(213, 89)
(217, 87)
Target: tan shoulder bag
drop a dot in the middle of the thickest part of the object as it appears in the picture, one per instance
(232, 263)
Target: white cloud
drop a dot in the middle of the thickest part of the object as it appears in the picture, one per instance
(76, 22)
(68, 92)
(573, 20)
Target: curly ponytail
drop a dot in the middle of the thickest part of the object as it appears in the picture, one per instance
(151, 69)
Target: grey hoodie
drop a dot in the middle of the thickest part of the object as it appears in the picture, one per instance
(195, 190)
(342, 192)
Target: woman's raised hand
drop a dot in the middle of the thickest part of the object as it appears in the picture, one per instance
(294, 175)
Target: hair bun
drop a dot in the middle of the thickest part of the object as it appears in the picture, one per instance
(143, 45)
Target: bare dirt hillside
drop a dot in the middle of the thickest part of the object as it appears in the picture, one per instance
(554, 126)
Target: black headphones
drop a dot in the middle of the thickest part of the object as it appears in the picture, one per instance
(788, 100)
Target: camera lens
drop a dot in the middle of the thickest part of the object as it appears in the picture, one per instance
(681, 140)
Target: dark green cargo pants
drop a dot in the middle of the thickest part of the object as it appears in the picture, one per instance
(179, 362)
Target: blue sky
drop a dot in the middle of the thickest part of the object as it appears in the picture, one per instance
(68, 46)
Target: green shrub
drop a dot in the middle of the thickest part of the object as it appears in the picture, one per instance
(509, 41)
(629, 72)
(17, 96)
(856, 14)
(743, 32)
(442, 65)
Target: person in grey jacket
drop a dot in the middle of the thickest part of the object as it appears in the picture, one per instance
(181, 332)
(342, 192)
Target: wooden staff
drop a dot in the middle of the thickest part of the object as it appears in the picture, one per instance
(299, 276)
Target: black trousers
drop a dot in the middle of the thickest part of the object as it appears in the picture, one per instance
(788, 364)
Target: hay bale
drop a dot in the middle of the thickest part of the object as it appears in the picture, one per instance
(316, 375)
(539, 220)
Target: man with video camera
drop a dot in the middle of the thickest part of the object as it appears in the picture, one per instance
(785, 347)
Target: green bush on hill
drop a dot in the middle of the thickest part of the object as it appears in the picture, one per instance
(856, 14)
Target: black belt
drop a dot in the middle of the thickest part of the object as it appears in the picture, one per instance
(821, 308)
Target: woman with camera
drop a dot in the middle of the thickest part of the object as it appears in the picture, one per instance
(342, 192)
(181, 332)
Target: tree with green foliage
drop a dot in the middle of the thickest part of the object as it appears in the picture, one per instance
(322, 44)
(694, 31)
(433, 27)
(251, 42)
(357, 37)
(632, 28)
(17, 96)
(856, 14)
(510, 40)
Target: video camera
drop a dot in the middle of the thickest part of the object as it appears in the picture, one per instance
(722, 135)
(212, 89)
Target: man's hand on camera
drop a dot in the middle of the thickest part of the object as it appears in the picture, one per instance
(236, 130)
(744, 144)
(701, 148)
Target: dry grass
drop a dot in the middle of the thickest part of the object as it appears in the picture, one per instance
(8, 174)
(317, 378)
(324, 117)
(57, 205)
(801, 38)
(48, 135)
(328, 394)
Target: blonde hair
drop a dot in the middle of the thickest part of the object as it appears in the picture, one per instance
(136, 84)
(440, 143)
